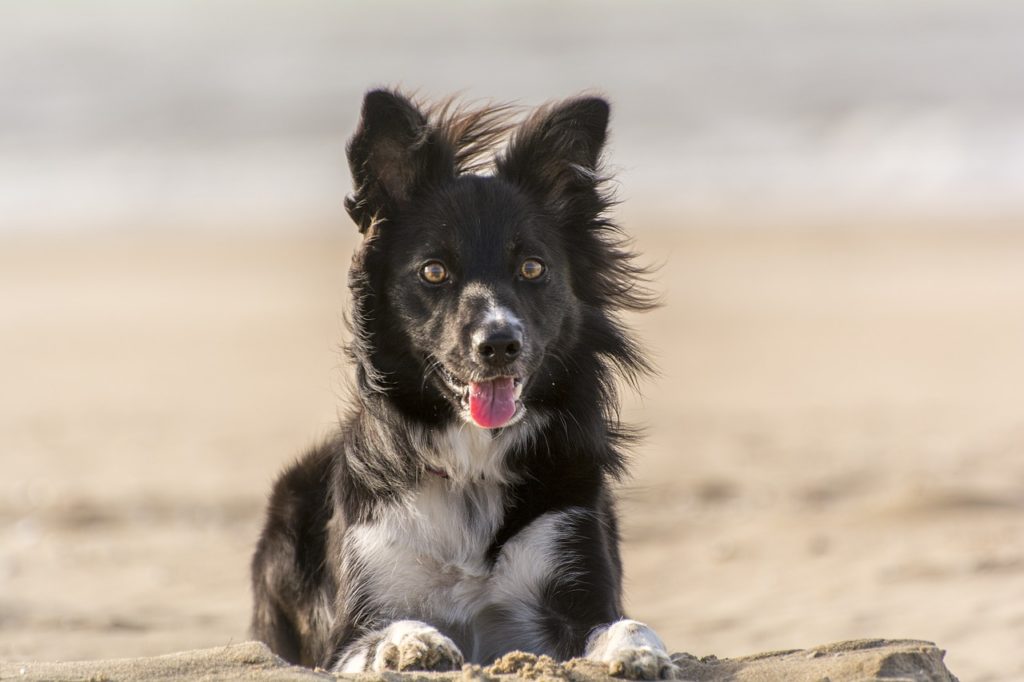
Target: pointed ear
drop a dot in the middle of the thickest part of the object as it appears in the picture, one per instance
(394, 153)
(557, 151)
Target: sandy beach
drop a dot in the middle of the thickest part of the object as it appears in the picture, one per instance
(834, 438)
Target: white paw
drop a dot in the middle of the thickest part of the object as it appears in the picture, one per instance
(412, 645)
(631, 650)
(641, 663)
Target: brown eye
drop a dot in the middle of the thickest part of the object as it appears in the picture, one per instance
(434, 272)
(531, 268)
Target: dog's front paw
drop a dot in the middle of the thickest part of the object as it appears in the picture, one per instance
(412, 645)
(631, 650)
(641, 663)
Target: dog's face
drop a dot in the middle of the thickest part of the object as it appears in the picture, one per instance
(467, 287)
(481, 282)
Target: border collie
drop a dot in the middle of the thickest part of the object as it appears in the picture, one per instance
(464, 508)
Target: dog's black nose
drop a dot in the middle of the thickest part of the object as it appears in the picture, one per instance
(500, 346)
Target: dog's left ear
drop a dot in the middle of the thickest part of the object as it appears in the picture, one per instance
(556, 153)
(394, 153)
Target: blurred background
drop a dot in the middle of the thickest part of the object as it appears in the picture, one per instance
(834, 194)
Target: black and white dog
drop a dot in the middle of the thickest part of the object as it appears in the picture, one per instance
(464, 509)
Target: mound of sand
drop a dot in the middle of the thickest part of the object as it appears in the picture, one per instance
(862, 660)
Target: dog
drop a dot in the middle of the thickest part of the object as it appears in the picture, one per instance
(465, 509)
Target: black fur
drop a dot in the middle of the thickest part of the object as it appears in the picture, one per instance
(419, 196)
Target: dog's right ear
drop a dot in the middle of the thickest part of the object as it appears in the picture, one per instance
(394, 153)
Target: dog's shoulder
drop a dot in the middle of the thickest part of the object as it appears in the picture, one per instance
(300, 509)
(300, 494)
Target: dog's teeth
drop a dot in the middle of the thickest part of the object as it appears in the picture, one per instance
(518, 389)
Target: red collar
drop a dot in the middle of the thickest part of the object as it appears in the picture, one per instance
(437, 472)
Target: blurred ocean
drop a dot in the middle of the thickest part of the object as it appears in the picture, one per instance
(213, 114)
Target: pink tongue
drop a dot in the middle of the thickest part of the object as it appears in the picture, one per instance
(492, 403)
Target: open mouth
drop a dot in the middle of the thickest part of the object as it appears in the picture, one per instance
(489, 403)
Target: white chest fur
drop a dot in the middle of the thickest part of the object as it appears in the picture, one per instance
(426, 558)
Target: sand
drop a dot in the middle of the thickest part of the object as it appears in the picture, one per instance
(834, 446)
(859, 661)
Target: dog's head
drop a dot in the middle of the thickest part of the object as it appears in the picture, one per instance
(478, 296)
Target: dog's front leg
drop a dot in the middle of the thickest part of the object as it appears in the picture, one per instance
(630, 649)
(404, 645)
